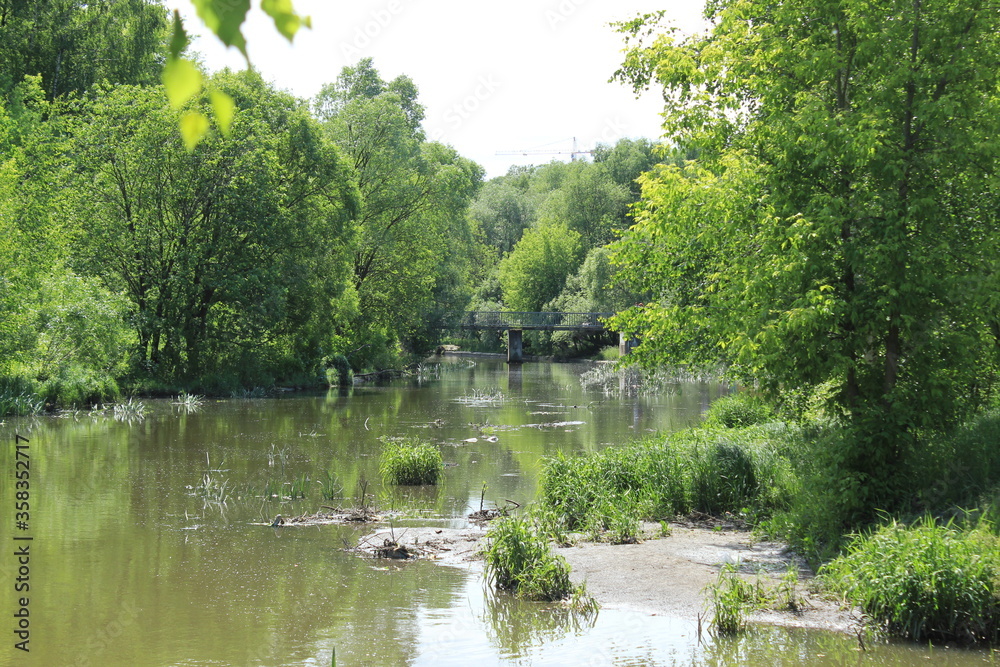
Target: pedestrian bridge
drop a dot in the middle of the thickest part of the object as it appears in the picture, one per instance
(516, 322)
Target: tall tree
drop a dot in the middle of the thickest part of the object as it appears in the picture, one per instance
(233, 254)
(838, 231)
(413, 226)
(73, 44)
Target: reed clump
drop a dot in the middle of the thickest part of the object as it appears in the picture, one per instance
(708, 470)
(410, 462)
(519, 561)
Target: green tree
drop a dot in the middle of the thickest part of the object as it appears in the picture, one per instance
(414, 239)
(234, 254)
(838, 231)
(73, 45)
(536, 271)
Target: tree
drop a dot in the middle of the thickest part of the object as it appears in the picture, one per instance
(837, 233)
(73, 45)
(234, 254)
(414, 237)
(536, 271)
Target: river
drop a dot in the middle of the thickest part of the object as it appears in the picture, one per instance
(146, 544)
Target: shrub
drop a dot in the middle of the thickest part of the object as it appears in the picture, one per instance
(410, 462)
(518, 560)
(339, 372)
(738, 411)
(925, 581)
(79, 387)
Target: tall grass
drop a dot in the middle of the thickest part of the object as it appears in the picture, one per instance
(18, 397)
(409, 462)
(925, 581)
(738, 411)
(711, 471)
(518, 560)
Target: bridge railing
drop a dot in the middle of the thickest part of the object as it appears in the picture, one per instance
(552, 321)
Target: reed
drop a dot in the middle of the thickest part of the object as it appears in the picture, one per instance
(410, 462)
(518, 561)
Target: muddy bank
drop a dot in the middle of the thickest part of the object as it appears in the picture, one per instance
(668, 575)
(660, 575)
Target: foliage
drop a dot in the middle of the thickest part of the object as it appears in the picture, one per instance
(838, 226)
(738, 411)
(518, 560)
(536, 270)
(339, 371)
(410, 462)
(411, 256)
(925, 581)
(74, 45)
(228, 254)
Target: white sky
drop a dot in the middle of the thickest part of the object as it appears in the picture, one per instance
(521, 74)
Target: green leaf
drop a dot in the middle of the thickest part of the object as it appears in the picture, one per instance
(182, 80)
(194, 126)
(225, 18)
(179, 38)
(285, 19)
(224, 109)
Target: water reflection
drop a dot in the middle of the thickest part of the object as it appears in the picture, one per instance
(131, 566)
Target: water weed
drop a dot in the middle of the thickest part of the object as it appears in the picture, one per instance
(518, 561)
(410, 462)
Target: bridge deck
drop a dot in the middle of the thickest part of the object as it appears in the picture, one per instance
(553, 321)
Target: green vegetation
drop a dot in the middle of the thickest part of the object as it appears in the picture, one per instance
(409, 461)
(742, 471)
(519, 561)
(925, 581)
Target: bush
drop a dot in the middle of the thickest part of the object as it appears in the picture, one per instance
(518, 560)
(924, 582)
(738, 411)
(339, 372)
(410, 462)
(79, 387)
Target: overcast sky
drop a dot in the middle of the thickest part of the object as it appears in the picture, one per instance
(522, 74)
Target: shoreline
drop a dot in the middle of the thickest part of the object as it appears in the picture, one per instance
(659, 576)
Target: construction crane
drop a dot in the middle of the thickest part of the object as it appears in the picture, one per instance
(573, 153)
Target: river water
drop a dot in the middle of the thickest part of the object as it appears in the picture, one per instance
(147, 546)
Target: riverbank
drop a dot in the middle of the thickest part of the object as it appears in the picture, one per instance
(659, 576)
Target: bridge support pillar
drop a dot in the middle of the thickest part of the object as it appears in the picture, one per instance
(514, 347)
(626, 345)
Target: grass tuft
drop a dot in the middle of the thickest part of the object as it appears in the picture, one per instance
(518, 560)
(410, 462)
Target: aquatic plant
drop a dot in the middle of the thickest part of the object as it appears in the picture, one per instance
(732, 599)
(189, 402)
(408, 461)
(130, 410)
(924, 581)
(491, 396)
(518, 560)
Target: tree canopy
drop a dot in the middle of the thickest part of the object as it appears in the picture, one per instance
(837, 233)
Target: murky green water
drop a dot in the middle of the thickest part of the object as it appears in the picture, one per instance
(134, 561)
